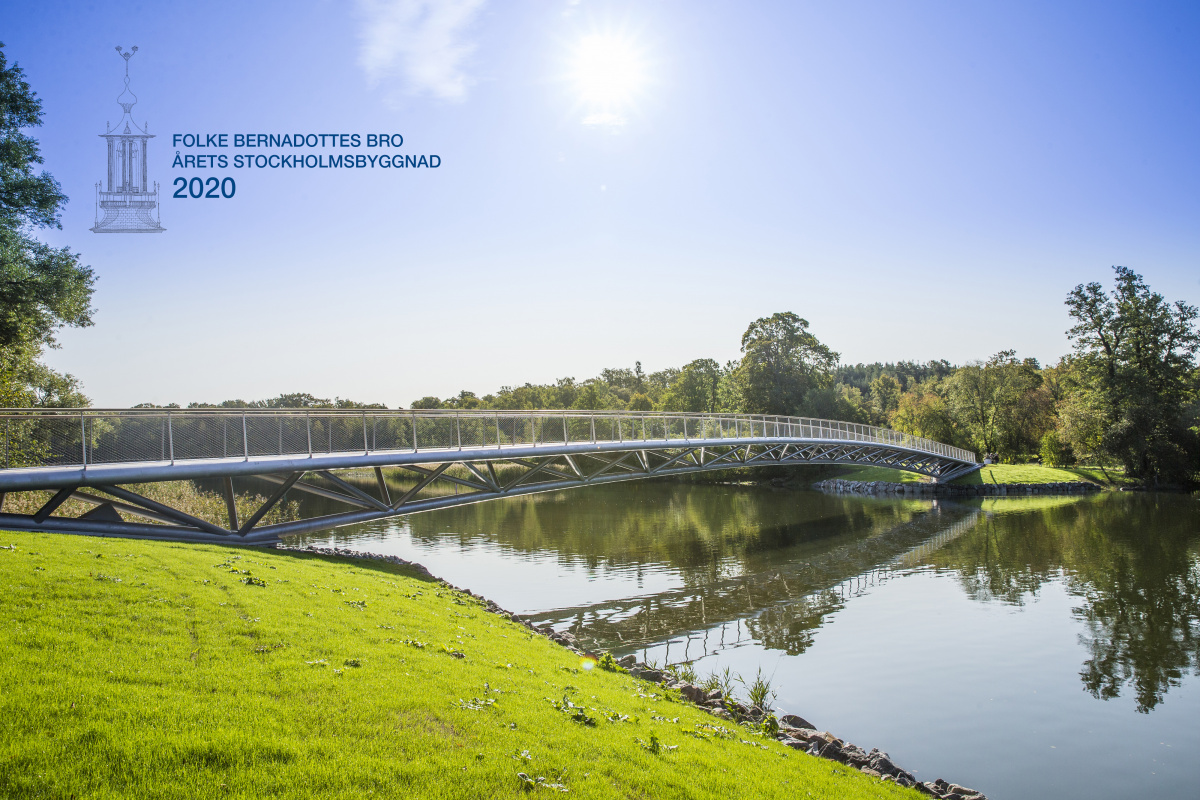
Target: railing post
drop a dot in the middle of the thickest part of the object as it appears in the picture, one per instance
(593, 419)
(366, 447)
(245, 438)
(308, 430)
(83, 430)
(171, 437)
(498, 438)
(566, 439)
(685, 436)
(458, 430)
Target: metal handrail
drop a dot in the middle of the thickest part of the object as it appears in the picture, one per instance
(88, 436)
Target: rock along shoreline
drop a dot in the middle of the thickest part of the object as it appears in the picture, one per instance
(793, 731)
(884, 488)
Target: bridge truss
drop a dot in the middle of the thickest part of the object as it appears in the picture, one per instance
(372, 464)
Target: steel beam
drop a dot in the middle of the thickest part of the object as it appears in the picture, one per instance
(267, 506)
(179, 517)
(383, 487)
(428, 479)
(353, 490)
(60, 497)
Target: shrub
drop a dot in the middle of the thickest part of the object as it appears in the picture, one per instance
(1054, 451)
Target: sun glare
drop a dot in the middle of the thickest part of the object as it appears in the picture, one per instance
(608, 72)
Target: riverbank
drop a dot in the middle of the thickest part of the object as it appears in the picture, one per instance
(791, 730)
(996, 474)
(145, 668)
(888, 489)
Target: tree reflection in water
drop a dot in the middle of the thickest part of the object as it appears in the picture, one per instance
(771, 566)
(1130, 558)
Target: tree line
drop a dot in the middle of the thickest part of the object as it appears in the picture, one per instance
(1128, 394)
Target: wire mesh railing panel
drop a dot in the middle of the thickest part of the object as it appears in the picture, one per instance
(703, 428)
(23, 446)
(331, 433)
(475, 431)
(435, 432)
(113, 439)
(579, 428)
(63, 439)
(283, 435)
(389, 432)
(605, 427)
(514, 430)
(43, 441)
(198, 436)
(550, 430)
(653, 428)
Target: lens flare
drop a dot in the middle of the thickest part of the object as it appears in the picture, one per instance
(608, 71)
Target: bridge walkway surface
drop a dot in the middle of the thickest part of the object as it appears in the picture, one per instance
(377, 463)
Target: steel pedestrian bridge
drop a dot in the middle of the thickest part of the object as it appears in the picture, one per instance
(421, 460)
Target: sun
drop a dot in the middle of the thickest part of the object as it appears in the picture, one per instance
(607, 71)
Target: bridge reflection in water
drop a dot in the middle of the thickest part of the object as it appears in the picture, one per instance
(779, 608)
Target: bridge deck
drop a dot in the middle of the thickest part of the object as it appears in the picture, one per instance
(66, 451)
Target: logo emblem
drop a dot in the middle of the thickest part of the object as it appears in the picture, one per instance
(127, 202)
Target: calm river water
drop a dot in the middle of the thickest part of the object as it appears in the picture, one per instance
(1041, 647)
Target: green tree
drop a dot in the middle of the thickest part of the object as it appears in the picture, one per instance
(641, 402)
(983, 394)
(1136, 355)
(696, 388)
(783, 362)
(1054, 451)
(41, 288)
(885, 398)
(839, 401)
(595, 395)
(923, 412)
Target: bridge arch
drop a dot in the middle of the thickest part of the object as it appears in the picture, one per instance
(451, 457)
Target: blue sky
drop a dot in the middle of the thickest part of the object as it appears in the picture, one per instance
(917, 179)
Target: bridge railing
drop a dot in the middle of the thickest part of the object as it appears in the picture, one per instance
(81, 437)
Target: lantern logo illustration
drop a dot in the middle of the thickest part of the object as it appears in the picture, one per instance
(127, 202)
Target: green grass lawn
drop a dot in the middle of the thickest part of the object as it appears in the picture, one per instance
(995, 473)
(1108, 476)
(1023, 473)
(868, 474)
(143, 669)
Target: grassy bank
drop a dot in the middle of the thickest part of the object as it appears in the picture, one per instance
(1034, 473)
(996, 473)
(870, 474)
(139, 669)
